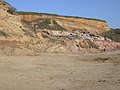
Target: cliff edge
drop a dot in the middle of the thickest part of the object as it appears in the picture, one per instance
(70, 23)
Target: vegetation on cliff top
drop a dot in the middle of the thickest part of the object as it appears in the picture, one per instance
(36, 13)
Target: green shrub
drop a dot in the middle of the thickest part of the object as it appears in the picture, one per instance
(2, 33)
(43, 23)
(12, 10)
(56, 40)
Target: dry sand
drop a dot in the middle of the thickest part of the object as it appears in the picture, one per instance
(61, 72)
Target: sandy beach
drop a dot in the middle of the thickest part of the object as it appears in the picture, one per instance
(99, 71)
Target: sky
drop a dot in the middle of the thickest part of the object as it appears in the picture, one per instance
(108, 10)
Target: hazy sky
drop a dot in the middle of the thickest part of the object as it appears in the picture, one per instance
(108, 10)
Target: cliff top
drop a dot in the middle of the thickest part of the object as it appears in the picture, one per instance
(37, 13)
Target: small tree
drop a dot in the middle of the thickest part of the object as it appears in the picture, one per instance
(12, 10)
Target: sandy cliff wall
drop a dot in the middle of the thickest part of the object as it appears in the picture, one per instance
(22, 38)
(71, 23)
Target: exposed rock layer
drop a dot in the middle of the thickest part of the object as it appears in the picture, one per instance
(34, 34)
(71, 23)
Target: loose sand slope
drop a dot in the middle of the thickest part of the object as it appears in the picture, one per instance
(61, 72)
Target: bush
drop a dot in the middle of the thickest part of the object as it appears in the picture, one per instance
(12, 10)
(43, 23)
(2, 33)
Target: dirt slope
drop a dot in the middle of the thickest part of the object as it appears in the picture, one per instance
(113, 34)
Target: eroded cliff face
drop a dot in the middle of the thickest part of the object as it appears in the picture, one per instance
(28, 34)
(10, 25)
(72, 24)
